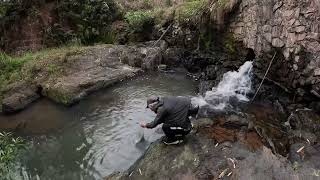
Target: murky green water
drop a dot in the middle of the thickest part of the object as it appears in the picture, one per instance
(95, 137)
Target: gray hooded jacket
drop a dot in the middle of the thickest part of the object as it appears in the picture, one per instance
(172, 111)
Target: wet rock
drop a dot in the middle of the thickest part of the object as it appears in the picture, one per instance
(305, 156)
(265, 165)
(97, 67)
(204, 122)
(146, 55)
(236, 121)
(315, 106)
(19, 96)
(297, 152)
(305, 119)
(172, 57)
(205, 86)
(316, 90)
(302, 136)
(153, 58)
(216, 150)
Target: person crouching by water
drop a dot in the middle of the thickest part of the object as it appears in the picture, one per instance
(174, 113)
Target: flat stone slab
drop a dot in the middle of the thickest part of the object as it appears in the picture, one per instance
(80, 74)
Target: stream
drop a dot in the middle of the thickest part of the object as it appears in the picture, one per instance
(96, 137)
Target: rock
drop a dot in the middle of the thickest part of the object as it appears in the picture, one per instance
(278, 5)
(162, 67)
(266, 165)
(304, 154)
(268, 37)
(305, 119)
(303, 136)
(295, 156)
(97, 67)
(300, 29)
(205, 86)
(153, 58)
(317, 72)
(316, 90)
(276, 42)
(204, 122)
(237, 121)
(19, 97)
(172, 57)
(201, 158)
(315, 106)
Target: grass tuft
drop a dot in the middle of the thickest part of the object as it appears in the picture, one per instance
(26, 67)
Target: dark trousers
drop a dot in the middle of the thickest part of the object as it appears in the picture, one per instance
(175, 132)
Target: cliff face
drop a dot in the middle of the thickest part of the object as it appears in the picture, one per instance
(25, 32)
(290, 27)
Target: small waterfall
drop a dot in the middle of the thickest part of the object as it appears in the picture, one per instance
(235, 85)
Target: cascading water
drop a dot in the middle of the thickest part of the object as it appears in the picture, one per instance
(234, 85)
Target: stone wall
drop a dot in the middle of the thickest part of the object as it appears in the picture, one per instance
(290, 27)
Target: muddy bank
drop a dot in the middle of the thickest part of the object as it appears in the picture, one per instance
(230, 146)
(78, 74)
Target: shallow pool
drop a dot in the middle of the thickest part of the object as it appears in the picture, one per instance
(96, 137)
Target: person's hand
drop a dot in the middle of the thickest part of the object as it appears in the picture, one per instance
(143, 125)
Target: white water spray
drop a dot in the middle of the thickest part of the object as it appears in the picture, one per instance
(234, 84)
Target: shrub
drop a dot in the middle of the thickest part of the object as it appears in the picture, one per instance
(189, 10)
(88, 20)
(9, 149)
(139, 20)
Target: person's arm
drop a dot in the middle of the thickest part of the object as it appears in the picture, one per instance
(158, 120)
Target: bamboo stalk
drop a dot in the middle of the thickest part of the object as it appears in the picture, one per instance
(264, 77)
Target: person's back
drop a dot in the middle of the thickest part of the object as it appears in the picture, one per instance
(177, 111)
(173, 112)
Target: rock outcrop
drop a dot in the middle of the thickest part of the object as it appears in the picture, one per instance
(290, 27)
(80, 74)
(221, 149)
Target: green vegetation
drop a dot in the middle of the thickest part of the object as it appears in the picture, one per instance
(139, 20)
(189, 10)
(92, 20)
(27, 66)
(230, 44)
(9, 149)
(84, 21)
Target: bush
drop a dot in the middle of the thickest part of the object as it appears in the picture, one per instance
(9, 149)
(139, 20)
(190, 10)
(89, 21)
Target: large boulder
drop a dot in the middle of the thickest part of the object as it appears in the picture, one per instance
(20, 96)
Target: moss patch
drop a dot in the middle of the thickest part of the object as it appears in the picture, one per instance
(59, 97)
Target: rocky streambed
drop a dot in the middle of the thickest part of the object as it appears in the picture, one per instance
(271, 138)
(234, 146)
